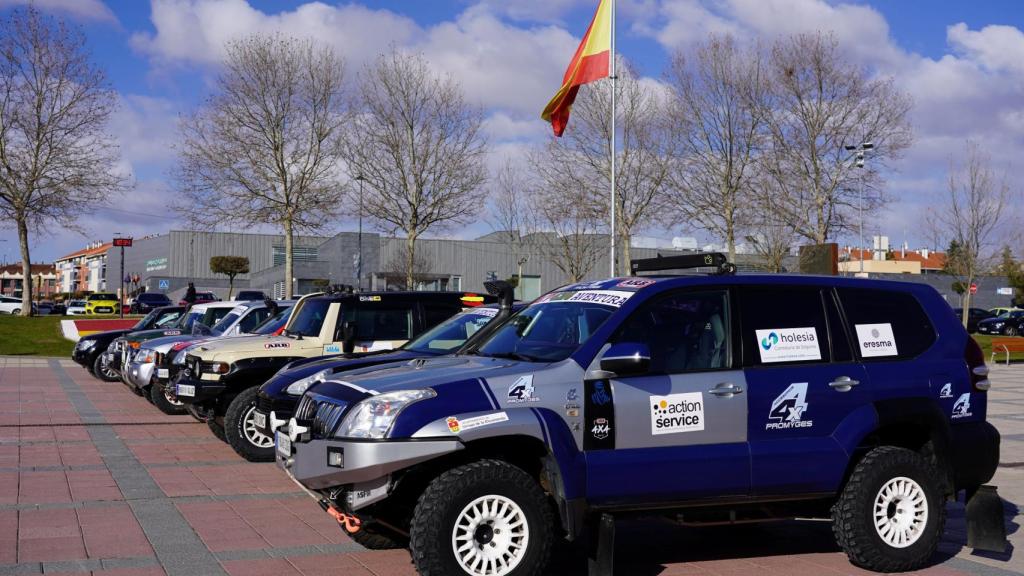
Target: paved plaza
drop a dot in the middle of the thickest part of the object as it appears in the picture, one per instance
(95, 480)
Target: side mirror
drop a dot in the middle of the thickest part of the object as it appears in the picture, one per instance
(348, 337)
(626, 359)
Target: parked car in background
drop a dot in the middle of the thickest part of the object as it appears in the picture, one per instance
(202, 298)
(975, 315)
(102, 303)
(44, 308)
(12, 305)
(1010, 323)
(75, 308)
(90, 351)
(250, 295)
(59, 308)
(147, 301)
(1000, 310)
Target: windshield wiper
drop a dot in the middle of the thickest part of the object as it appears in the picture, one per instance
(513, 356)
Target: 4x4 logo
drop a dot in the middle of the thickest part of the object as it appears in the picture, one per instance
(788, 409)
(962, 406)
(522, 390)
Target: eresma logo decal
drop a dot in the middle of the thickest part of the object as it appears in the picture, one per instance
(788, 344)
(677, 413)
(962, 406)
(946, 391)
(876, 340)
(788, 409)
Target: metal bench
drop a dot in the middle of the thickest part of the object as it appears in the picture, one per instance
(1006, 345)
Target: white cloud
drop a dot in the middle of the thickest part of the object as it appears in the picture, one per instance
(146, 129)
(196, 31)
(997, 48)
(81, 9)
(550, 11)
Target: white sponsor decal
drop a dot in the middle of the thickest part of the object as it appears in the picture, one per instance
(522, 390)
(635, 283)
(788, 409)
(946, 391)
(332, 349)
(876, 340)
(489, 312)
(614, 298)
(486, 419)
(677, 413)
(788, 344)
(237, 310)
(962, 406)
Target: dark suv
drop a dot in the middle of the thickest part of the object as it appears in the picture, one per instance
(148, 301)
(707, 399)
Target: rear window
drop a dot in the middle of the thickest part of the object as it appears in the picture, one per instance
(885, 324)
(783, 325)
(379, 323)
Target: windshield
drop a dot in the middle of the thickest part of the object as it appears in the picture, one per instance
(310, 318)
(226, 322)
(189, 320)
(546, 331)
(147, 320)
(94, 297)
(452, 333)
(273, 324)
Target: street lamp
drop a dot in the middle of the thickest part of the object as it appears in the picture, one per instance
(859, 161)
(359, 263)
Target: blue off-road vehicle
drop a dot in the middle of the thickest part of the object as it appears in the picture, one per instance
(706, 398)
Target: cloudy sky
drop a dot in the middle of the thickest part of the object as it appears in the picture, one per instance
(962, 62)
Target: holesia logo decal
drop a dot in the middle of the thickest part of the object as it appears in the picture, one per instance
(876, 340)
(677, 413)
(788, 344)
(788, 409)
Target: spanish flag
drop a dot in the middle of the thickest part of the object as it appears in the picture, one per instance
(588, 64)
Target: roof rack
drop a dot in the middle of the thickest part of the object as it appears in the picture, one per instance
(714, 260)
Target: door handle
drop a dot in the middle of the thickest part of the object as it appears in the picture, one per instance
(843, 384)
(726, 390)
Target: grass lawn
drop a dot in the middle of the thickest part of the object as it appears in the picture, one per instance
(35, 336)
(985, 342)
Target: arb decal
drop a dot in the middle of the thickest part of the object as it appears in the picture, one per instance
(273, 345)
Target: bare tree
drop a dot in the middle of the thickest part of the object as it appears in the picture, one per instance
(566, 217)
(719, 103)
(397, 268)
(975, 210)
(645, 154)
(822, 103)
(510, 213)
(56, 160)
(767, 233)
(263, 149)
(419, 146)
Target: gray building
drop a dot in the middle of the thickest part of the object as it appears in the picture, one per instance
(167, 262)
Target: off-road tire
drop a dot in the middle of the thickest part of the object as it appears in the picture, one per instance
(161, 401)
(438, 508)
(377, 537)
(97, 371)
(852, 515)
(234, 428)
(217, 428)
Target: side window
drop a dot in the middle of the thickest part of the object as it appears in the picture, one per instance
(254, 319)
(886, 324)
(434, 314)
(783, 325)
(383, 322)
(685, 331)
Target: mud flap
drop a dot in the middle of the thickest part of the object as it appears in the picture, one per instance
(601, 558)
(986, 528)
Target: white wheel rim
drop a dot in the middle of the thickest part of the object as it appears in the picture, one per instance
(172, 400)
(490, 536)
(900, 512)
(252, 433)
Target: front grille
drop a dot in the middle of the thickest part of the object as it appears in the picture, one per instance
(266, 404)
(324, 413)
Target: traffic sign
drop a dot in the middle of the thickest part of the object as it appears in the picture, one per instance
(165, 284)
(974, 288)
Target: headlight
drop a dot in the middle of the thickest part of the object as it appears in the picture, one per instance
(373, 417)
(299, 387)
(86, 344)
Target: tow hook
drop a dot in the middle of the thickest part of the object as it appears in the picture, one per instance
(349, 522)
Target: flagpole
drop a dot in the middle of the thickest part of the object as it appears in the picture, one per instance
(611, 69)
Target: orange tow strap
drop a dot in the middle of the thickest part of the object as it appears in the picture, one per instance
(351, 522)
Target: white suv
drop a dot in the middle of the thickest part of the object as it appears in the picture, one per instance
(10, 305)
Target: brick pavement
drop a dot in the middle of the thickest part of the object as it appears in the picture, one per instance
(95, 480)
